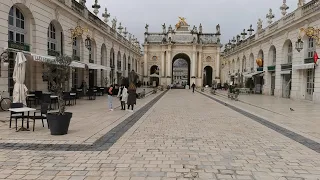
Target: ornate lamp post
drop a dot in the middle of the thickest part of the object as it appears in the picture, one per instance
(299, 44)
(88, 42)
(5, 58)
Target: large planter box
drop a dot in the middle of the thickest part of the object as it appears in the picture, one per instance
(59, 124)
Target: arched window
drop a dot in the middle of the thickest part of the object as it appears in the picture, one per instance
(274, 56)
(16, 26)
(311, 48)
(119, 60)
(75, 49)
(112, 58)
(124, 62)
(129, 65)
(244, 64)
(289, 53)
(91, 52)
(136, 65)
(52, 41)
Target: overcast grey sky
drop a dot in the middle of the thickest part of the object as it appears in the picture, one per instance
(232, 15)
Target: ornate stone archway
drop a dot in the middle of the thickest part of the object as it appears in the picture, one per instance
(201, 49)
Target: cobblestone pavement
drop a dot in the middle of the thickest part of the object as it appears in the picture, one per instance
(304, 118)
(183, 136)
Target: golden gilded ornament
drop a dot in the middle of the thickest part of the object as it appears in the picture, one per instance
(78, 31)
(182, 22)
(259, 62)
(311, 32)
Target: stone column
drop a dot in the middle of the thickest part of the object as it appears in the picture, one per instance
(145, 69)
(162, 65)
(169, 63)
(218, 63)
(193, 64)
(200, 65)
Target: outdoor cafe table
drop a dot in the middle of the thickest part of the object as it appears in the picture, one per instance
(23, 110)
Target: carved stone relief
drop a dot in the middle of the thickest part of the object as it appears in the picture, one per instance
(57, 13)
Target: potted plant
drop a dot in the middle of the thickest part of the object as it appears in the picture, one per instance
(58, 73)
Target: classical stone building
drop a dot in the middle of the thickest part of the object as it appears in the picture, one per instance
(197, 48)
(274, 58)
(42, 29)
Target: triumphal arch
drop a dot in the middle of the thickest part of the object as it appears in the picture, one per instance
(200, 50)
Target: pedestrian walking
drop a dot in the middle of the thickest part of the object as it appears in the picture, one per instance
(132, 98)
(193, 86)
(123, 95)
(110, 94)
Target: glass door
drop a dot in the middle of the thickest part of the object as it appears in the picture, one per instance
(310, 84)
(286, 86)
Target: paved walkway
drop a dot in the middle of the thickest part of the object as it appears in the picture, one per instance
(304, 119)
(183, 136)
(91, 119)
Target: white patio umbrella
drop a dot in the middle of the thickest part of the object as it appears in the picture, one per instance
(19, 73)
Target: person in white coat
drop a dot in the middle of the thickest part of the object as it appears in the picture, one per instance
(123, 95)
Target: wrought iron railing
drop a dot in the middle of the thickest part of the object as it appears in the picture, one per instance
(19, 46)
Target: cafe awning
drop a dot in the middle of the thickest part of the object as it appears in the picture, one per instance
(253, 74)
(303, 66)
(97, 66)
(42, 58)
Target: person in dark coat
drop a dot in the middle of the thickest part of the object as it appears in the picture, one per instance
(132, 99)
(193, 86)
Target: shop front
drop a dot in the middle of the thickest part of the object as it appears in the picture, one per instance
(256, 79)
(286, 78)
(308, 73)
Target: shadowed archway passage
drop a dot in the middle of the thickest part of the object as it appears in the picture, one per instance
(181, 70)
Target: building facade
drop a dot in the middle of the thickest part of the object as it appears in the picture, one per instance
(274, 59)
(197, 48)
(44, 29)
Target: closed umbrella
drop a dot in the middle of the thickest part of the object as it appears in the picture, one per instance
(19, 73)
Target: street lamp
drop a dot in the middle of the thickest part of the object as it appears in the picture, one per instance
(5, 58)
(88, 42)
(299, 44)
